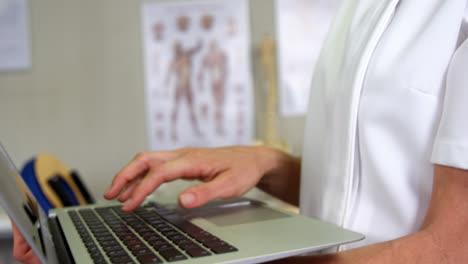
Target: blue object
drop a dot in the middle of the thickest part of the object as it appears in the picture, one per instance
(29, 177)
(63, 190)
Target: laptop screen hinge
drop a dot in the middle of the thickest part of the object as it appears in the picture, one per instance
(61, 247)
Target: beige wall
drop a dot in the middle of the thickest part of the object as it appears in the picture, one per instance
(83, 98)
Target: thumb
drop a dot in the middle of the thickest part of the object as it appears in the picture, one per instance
(222, 187)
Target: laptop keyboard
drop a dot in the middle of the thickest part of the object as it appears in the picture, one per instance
(150, 234)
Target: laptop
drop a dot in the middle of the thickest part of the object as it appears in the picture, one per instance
(224, 231)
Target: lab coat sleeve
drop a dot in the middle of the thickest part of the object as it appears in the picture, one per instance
(451, 143)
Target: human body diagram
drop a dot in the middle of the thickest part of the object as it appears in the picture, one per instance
(215, 64)
(181, 67)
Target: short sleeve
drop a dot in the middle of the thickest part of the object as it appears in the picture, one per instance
(451, 143)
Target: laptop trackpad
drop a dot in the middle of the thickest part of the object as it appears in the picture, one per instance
(234, 212)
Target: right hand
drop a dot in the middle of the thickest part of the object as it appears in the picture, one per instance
(228, 172)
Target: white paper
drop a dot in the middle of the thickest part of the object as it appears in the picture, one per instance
(302, 27)
(197, 73)
(14, 39)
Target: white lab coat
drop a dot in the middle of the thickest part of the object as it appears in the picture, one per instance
(381, 105)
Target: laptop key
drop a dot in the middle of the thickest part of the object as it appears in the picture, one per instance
(116, 253)
(122, 259)
(175, 238)
(132, 241)
(160, 226)
(224, 249)
(105, 238)
(141, 251)
(172, 255)
(109, 243)
(183, 242)
(89, 244)
(163, 247)
(112, 248)
(213, 244)
(93, 249)
(152, 237)
(204, 239)
(146, 232)
(127, 236)
(166, 229)
(196, 234)
(189, 246)
(181, 223)
(99, 260)
(96, 254)
(136, 246)
(149, 259)
(198, 252)
(159, 242)
(155, 222)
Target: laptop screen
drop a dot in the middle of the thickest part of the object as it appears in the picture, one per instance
(18, 202)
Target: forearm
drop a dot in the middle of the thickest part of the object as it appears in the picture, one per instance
(418, 248)
(282, 180)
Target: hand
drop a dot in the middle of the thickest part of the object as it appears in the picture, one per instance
(21, 249)
(227, 172)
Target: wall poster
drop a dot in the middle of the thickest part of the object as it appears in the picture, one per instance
(197, 73)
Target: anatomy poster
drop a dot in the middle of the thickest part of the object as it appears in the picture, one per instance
(302, 27)
(197, 73)
(14, 35)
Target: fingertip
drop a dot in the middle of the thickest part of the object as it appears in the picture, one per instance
(132, 203)
(107, 196)
(110, 193)
(128, 206)
(114, 190)
(124, 197)
(188, 200)
(106, 193)
(110, 197)
(201, 194)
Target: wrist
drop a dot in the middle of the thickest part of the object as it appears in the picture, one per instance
(270, 159)
(280, 174)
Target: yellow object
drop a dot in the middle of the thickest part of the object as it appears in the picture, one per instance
(48, 166)
(270, 137)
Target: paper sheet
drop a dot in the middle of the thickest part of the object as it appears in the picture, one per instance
(14, 35)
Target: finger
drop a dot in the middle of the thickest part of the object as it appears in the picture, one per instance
(31, 258)
(129, 187)
(21, 249)
(125, 195)
(166, 172)
(121, 180)
(222, 187)
(18, 239)
(138, 166)
(141, 190)
(28, 257)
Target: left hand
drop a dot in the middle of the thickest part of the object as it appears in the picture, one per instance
(21, 249)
